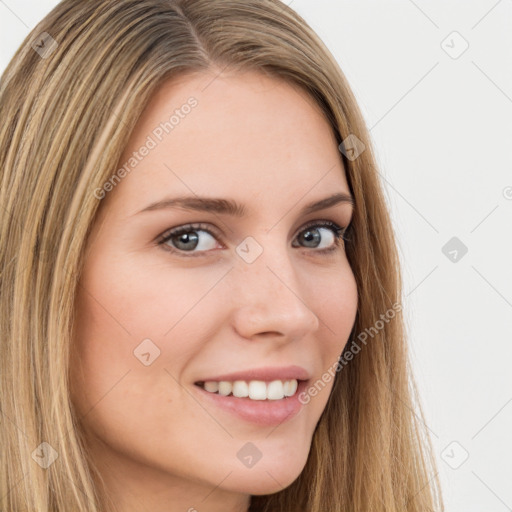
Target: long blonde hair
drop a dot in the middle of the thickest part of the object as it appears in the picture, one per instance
(69, 99)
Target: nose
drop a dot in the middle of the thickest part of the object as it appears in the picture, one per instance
(271, 300)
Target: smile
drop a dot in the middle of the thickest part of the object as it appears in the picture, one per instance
(254, 389)
(261, 410)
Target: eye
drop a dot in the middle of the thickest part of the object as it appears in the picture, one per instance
(186, 239)
(312, 237)
(322, 236)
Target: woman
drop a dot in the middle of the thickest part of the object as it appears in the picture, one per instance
(200, 284)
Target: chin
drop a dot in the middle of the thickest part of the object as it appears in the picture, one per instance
(268, 476)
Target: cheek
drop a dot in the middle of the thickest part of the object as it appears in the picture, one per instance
(101, 348)
(336, 306)
(124, 312)
(146, 299)
(335, 303)
(114, 392)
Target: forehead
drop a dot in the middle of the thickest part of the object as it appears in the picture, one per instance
(246, 135)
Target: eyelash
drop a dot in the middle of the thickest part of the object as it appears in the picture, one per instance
(339, 233)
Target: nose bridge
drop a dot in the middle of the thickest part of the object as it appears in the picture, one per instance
(267, 262)
(270, 296)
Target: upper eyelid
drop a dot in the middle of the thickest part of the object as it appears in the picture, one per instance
(193, 226)
(199, 226)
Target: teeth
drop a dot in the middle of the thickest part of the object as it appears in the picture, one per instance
(257, 390)
(254, 389)
(225, 388)
(275, 390)
(211, 386)
(240, 389)
(290, 386)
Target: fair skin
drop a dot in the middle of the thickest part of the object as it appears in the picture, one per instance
(161, 442)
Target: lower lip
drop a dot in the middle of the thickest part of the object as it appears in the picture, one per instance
(259, 412)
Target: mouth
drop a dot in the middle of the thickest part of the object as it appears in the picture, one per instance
(253, 389)
(265, 397)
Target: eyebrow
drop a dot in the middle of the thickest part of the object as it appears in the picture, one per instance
(231, 207)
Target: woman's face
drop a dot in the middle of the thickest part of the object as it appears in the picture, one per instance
(253, 297)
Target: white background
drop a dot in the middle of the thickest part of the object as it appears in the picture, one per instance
(442, 129)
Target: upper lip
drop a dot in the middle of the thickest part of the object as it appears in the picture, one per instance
(268, 373)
